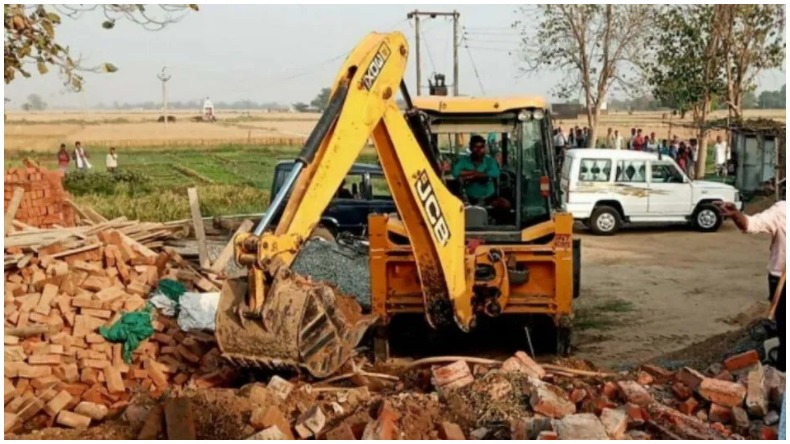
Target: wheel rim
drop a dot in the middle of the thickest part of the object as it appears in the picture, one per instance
(706, 218)
(606, 222)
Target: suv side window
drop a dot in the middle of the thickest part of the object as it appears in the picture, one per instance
(595, 170)
(379, 187)
(631, 171)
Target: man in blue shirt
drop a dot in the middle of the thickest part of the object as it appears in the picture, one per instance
(477, 172)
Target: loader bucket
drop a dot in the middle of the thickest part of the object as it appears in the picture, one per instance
(303, 325)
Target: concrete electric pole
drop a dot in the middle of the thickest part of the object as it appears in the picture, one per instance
(163, 77)
(416, 16)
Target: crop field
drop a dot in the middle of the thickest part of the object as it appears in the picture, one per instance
(231, 161)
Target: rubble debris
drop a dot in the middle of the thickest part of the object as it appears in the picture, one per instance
(580, 426)
(548, 400)
(522, 363)
(729, 394)
(272, 433)
(615, 422)
(179, 419)
(453, 376)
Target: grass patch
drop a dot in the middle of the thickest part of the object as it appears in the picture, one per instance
(601, 316)
(231, 179)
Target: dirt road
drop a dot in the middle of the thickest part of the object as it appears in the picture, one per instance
(646, 292)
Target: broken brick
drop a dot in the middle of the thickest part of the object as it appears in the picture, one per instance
(681, 391)
(547, 435)
(644, 378)
(740, 420)
(724, 375)
(756, 393)
(768, 433)
(609, 390)
(727, 394)
(549, 400)
(577, 395)
(580, 426)
(614, 421)
(451, 431)
(689, 406)
(453, 376)
(311, 422)
(280, 387)
(522, 363)
(635, 393)
(265, 417)
(742, 360)
(659, 374)
(636, 415)
(73, 420)
(719, 413)
(690, 377)
(380, 430)
(340, 433)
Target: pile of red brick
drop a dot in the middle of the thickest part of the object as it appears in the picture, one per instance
(44, 202)
(58, 369)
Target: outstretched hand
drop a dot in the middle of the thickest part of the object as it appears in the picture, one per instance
(727, 209)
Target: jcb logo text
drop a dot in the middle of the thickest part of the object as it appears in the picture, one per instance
(431, 205)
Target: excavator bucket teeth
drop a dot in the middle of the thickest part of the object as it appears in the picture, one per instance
(303, 325)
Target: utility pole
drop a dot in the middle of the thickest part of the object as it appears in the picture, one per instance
(163, 77)
(456, 42)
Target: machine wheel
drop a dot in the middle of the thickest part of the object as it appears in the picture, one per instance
(577, 267)
(707, 218)
(605, 221)
(323, 233)
(564, 336)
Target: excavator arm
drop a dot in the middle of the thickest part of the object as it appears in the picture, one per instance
(362, 107)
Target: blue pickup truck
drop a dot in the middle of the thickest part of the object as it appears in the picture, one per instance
(364, 191)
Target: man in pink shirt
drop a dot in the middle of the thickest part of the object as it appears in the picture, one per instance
(771, 221)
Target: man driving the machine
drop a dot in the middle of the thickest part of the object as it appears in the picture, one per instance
(477, 172)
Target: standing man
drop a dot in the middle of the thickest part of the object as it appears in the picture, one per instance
(81, 157)
(560, 141)
(631, 140)
(693, 156)
(651, 144)
(478, 172)
(610, 139)
(771, 221)
(112, 160)
(63, 159)
(618, 140)
(722, 154)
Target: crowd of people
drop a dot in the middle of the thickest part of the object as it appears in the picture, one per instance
(81, 159)
(684, 152)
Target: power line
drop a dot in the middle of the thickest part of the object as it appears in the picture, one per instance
(474, 67)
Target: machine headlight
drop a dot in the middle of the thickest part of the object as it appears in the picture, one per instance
(537, 114)
(523, 116)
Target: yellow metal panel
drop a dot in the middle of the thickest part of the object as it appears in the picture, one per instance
(475, 105)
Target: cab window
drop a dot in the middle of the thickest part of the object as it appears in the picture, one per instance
(533, 147)
(595, 170)
(380, 188)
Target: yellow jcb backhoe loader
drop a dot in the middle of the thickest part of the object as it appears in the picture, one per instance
(439, 256)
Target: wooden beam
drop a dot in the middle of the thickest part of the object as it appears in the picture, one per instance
(94, 216)
(219, 265)
(197, 223)
(13, 206)
(79, 211)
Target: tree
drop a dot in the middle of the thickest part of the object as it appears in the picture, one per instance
(301, 107)
(749, 100)
(593, 45)
(772, 99)
(685, 71)
(34, 103)
(321, 100)
(30, 37)
(752, 39)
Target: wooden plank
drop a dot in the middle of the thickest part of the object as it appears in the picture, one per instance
(227, 253)
(13, 206)
(94, 216)
(137, 246)
(76, 250)
(79, 211)
(197, 223)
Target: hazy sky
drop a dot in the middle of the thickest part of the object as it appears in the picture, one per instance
(282, 54)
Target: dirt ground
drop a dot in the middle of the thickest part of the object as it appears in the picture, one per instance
(650, 291)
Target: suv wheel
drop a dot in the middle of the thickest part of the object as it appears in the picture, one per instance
(605, 221)
(707, 218)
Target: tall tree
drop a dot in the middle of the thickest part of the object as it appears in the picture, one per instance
(686, 69)
(595, 46)
(30, 37)
(321, 100)
(34, 103)
(752, 39)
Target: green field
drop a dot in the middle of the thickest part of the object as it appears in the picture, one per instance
(229, 179)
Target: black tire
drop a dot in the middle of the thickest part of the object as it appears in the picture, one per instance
(323, 233)
(605, 221)
(707, 218)
(577, 267)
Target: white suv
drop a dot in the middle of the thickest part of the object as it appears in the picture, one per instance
(605, 188)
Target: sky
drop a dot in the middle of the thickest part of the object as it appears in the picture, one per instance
(285, 54)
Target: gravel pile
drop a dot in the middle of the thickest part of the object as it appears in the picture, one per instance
(345, 266)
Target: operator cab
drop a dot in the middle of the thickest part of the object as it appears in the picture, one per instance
(518, 137)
